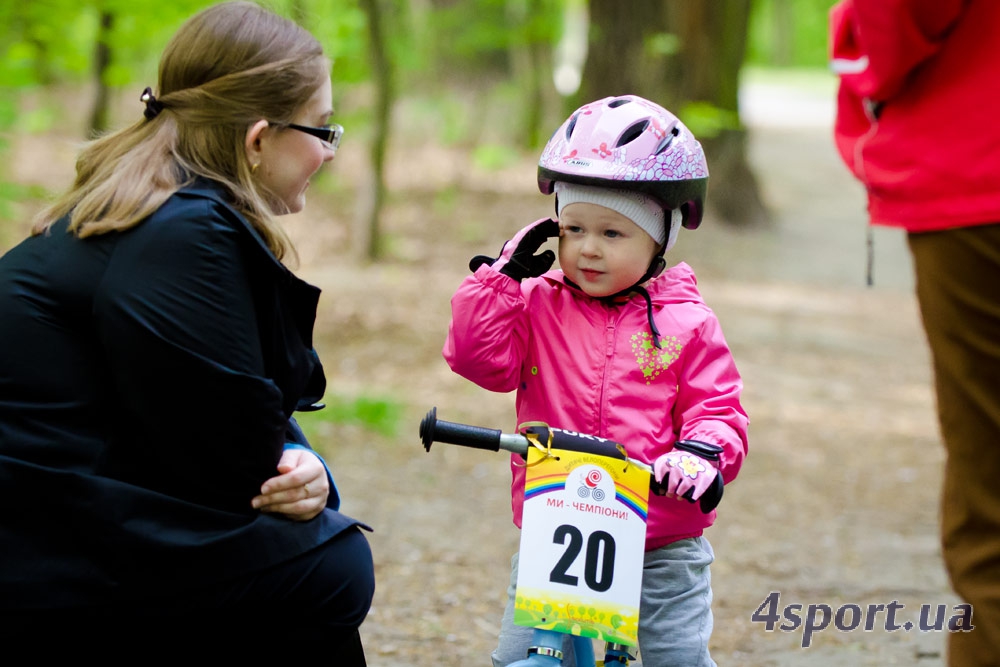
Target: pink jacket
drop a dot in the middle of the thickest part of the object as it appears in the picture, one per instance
(578, 363)
(917, 108)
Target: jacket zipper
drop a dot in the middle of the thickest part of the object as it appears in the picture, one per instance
(610, 336)
(872, 110)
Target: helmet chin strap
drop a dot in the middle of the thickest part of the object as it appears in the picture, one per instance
(656, 267)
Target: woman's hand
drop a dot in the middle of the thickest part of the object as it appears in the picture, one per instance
(300, 491)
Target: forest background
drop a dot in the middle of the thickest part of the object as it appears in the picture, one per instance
(446, 104)
(494, 76)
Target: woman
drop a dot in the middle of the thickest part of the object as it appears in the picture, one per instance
(155, 349)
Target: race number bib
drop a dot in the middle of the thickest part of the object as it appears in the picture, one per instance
(583, 535)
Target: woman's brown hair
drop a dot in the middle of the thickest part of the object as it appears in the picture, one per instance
(226, 68)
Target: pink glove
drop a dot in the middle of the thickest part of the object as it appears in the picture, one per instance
(684, 475)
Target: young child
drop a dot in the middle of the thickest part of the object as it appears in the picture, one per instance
(613, 345)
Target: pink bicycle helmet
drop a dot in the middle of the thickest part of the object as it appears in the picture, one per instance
(629, 143)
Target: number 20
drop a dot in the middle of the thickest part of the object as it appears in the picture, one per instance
(597, 581)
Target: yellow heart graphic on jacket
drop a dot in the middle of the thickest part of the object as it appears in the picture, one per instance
(654, 361)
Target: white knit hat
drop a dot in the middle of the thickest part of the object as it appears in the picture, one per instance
(637, 207)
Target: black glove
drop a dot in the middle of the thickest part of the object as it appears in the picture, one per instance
(517, 257)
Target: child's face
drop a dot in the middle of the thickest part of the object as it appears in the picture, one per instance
(601, 250)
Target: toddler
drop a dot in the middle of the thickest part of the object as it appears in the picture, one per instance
(616, 345)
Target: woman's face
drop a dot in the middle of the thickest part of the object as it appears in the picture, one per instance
(288, 157)
(601, 250)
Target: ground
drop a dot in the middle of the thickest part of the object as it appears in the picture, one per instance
(837, 501)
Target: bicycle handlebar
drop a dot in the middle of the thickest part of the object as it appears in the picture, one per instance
(434, 430)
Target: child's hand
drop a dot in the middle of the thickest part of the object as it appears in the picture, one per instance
(517, 257)
(684, 475)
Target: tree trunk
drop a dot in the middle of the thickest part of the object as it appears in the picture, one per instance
(531, 68)
(711, 58)
(102, 60)
(687, 56)
(617, 61)
(783, 32)
(367, 237)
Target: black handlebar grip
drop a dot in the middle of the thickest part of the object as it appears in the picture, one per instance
(434, 430)
(708, 501)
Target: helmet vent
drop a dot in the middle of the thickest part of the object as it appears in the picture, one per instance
(632, 133)
(570, 126)
(666, 141)
(614, 104)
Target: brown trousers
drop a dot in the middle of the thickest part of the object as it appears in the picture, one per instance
(958, 287)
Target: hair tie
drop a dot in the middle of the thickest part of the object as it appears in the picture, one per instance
(153, 105)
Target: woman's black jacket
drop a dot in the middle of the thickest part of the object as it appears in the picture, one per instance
(147, 384)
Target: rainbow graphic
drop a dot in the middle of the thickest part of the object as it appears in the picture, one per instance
(634, 501)
(544, 484)
(536, 486)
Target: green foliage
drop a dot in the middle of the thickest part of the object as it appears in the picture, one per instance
(10, 193)
(53, 41)
(13, 191)
(379, 415)
(453, 60)
(45, 41)
(473, 39)
(340, 26)
(446, 201)
(788, 33)
(472, 31)
(662, 44)
(706, 120)
(445, 117)
(494, 156)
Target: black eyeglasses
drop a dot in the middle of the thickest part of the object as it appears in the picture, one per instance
(328, 134)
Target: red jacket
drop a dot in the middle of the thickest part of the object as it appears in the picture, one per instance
(918, 111)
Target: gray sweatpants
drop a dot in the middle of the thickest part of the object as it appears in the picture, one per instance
(675, 610)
